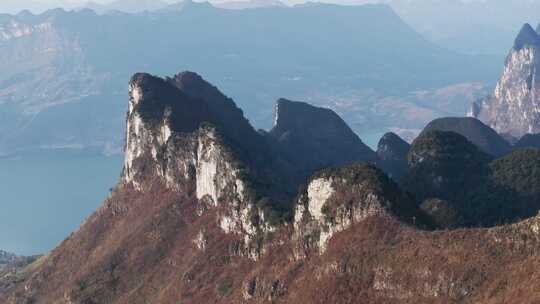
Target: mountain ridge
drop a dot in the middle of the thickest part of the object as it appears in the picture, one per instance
(189, 218)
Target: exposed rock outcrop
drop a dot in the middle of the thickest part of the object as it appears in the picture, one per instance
(514, 107)
(336, 199)
(185, 139)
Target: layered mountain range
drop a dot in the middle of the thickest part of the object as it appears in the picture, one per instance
(513, 109)
(63, 72)
(210, 210)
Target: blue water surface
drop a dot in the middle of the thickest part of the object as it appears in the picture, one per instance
(47, 195)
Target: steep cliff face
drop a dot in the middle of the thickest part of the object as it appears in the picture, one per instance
(336, 199)
(514, 107)
(182, 139)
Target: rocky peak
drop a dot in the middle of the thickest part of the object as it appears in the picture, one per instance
(228, 116)
(312, 138)
(156, 112)
(294, 116)
(335, 199)
(514, 107)
(527, 37)
(186, 134)
(156, 101)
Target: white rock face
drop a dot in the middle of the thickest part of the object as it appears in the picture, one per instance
(137, 136)
(319, 191)
(208, 181)
(199, 158)
(310, 220)
(514, 107)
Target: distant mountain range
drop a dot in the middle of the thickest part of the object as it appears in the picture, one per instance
(63, 75)
(126, 6)
(480, 27)
(249, 4)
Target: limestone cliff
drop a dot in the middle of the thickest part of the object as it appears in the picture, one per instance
(335, 199)
(181, 139)
(514, 108)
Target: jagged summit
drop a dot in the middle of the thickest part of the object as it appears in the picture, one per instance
(527, 37)
(337, 198)
(156, 101)
(512, 109)
(475, 131)
(231, 118)
(188, 101)
(179, 127)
